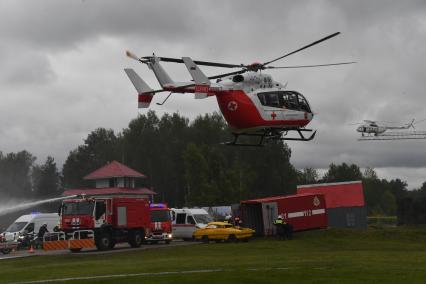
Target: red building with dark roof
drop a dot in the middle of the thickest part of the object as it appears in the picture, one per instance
(113, 179)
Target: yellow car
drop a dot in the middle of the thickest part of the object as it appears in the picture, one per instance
(222, 231)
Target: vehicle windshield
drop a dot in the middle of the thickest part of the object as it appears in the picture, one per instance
(16, 227)
(203, 218)
(78, 208)
(160, 216)
(284, 99)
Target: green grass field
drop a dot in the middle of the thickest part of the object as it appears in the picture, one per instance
(385, 255)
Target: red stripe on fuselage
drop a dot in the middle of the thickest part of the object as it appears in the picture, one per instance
(144, 98)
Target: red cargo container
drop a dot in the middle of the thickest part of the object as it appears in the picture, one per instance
(302, 211)
(337, 194)
(344, 200)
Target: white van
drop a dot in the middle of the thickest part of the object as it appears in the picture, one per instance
(185, 221)
(31, 223)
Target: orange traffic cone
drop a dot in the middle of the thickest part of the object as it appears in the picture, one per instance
(31, 250)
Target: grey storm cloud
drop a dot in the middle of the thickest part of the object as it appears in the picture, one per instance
(54, 24)
(61, 71)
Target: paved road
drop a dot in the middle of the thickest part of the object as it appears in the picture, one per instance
(119, 248)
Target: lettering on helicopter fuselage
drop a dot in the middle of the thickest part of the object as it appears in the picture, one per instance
(202, 88)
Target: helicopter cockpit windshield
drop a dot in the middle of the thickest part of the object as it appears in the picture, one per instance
(284, 99)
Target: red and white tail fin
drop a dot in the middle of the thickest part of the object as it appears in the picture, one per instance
(202, 83)
(145, 93)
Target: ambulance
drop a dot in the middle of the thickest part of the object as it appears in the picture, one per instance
(186, 220)
(30, 224)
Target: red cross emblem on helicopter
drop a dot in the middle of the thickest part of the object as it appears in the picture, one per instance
(273, 115)
(232, 105)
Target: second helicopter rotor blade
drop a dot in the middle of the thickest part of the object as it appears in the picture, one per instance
(307, 66)
(227, 74)
(302, 48)
(198, 62)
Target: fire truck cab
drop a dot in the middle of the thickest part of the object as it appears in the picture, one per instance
(101, 222)
(161, 224)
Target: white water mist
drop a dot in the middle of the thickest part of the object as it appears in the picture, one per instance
(17, 206)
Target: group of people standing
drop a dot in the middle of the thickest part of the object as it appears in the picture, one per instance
(284, 229)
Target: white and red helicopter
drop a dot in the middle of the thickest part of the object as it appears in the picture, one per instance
(252, 103)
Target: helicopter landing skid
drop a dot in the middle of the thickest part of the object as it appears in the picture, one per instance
(270, 135)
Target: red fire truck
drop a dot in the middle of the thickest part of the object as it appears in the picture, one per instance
(161, 224)
(100, 222)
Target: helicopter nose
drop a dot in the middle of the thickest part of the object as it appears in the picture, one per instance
(359, 129)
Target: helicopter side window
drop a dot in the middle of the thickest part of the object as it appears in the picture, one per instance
(303, 104)
(262, 98)
(285, 101)
(270, 99)
(291, 101)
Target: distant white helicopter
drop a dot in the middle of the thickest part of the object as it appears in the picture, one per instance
(372, 127)
(374, 130)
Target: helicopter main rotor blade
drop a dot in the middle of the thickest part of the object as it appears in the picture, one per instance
(198, 62)
(227, 74)
(307, 66)
(300, 49)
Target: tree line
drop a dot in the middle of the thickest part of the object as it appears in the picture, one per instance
(186, 164)
(22, 178)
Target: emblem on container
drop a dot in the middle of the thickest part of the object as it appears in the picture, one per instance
(316, 201)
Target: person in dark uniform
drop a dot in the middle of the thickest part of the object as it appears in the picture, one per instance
(288, 230)
(237, 221)
(280, 226)
(41, 232)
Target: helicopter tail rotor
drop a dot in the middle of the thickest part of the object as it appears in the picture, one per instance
(133, 56)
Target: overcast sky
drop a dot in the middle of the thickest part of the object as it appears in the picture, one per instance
(61, 70)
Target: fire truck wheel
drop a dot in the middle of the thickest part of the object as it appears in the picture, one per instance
(136, 239)
(103, 242)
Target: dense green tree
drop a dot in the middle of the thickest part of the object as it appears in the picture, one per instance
(100, 147)
(308, 176)
(198, 190)
(158, 148)
(46, 180)
(343, 172)
(15, 174)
